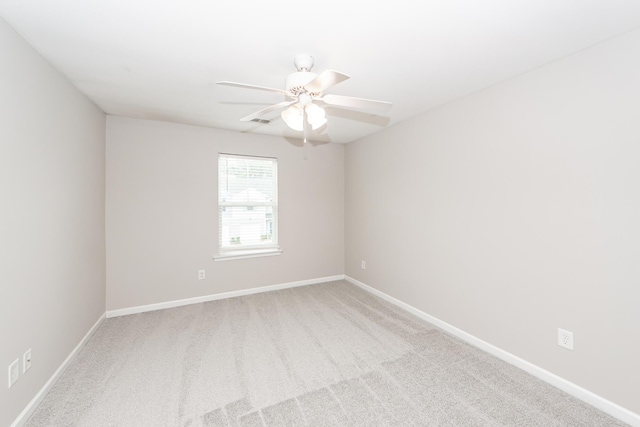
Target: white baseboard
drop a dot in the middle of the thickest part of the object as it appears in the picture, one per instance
(214, 297)
(28, 410)
(592, 399)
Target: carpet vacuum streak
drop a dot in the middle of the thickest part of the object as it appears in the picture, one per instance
(329, 354)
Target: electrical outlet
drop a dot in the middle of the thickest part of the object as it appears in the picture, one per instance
(14, 372)
(565, 339)
(26, 361)
(201, 275)
(363, 265)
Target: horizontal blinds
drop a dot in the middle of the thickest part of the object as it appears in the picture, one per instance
(247, 202)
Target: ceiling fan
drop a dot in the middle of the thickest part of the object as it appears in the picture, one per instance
(304, 94)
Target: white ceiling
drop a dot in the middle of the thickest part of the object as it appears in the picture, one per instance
(161, 59)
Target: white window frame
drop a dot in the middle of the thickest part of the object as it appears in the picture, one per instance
(248, 251)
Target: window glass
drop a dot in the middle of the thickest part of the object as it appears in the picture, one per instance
(247, 203)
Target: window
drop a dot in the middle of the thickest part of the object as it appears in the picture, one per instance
(247, 206)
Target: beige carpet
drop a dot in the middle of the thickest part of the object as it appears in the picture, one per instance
(319, 355)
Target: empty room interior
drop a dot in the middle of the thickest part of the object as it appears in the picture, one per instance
(332, 213)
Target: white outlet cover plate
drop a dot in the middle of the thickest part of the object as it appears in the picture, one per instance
(14, 372)
(26, 361)
(565, 339)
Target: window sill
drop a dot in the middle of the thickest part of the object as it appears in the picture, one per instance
(247, 254)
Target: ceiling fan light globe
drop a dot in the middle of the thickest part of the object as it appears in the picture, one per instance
(292, 116)
(315, 115)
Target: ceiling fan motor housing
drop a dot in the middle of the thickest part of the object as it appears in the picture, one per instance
(295, 82)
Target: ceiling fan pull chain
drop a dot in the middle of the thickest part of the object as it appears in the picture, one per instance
(304, 124)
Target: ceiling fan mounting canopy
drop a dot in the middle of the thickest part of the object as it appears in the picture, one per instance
(303, 89)
(303, 62)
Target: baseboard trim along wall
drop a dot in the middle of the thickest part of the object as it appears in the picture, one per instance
(592, 399)
(214, 297)
(28, 410)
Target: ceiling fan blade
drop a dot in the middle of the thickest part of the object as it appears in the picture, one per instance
(325, 80)
(246, 86)
(360, 103)
(267, 110)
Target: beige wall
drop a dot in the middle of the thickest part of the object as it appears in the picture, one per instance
(52, 247)
(162, 212)
(507, 214)
(515, 211)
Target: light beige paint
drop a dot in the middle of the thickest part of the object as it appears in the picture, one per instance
(52, 244)
(162, 212)
(513, 212)
(507, 214)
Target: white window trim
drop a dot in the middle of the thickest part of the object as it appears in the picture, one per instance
(227, 256)
(248, 252)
